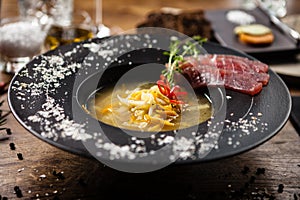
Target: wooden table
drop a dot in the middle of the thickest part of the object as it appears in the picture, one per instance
(47, 172)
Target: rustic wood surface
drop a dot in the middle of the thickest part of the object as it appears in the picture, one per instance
(47, 172)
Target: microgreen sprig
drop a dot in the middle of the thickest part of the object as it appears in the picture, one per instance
(187, 47)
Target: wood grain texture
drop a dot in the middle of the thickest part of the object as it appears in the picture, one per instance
(89, 179)
(82, 178)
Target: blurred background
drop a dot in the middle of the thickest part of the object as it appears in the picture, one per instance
(84, 178)
(132, 12)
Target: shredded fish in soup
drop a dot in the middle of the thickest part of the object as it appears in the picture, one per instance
(146, 108)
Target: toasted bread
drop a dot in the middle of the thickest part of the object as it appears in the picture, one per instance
(254, 34)
(257, 39)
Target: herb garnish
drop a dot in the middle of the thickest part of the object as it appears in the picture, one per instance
(166, 84)
(189, 47)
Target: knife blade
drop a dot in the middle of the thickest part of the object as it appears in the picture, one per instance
(293, 34)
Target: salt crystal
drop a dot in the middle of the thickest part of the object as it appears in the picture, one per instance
(22, 169)
(43, 176)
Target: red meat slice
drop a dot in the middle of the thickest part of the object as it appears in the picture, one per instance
(235, 73)
(235, 64)
(238, 62)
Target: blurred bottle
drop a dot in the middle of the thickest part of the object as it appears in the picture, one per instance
(80, 29)
(277, 7)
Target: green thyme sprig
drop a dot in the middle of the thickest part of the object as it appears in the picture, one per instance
(188, 47)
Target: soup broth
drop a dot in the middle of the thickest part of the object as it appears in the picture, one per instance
(113, 107)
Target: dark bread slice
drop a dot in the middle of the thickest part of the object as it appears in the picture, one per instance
(188, 22)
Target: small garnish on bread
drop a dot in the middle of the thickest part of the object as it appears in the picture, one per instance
(254, 34)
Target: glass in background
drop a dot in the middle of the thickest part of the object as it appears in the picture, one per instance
(80, 28)
(101, 29)
(23, 37)
(20, 40)
(58, 12)
(61, 23)
(248, 4)
(277, 7)
(43, 25)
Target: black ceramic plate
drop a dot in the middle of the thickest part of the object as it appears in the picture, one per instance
(48, 91)
(223, 30)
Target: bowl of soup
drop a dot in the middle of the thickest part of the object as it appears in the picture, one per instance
(126, 97)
